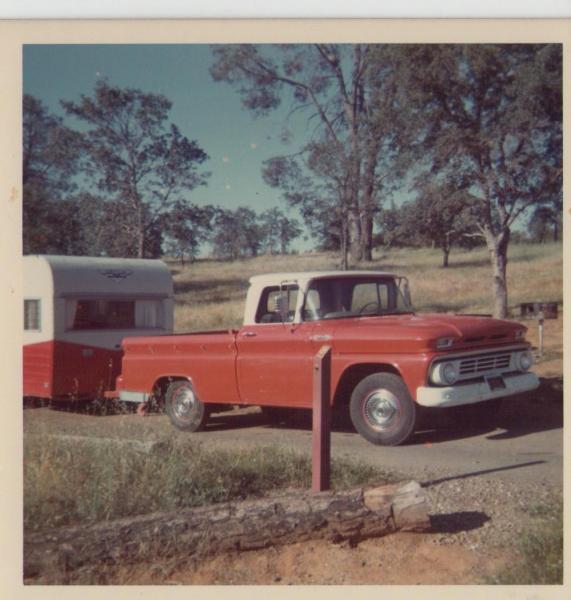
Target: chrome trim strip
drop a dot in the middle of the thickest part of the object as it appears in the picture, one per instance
(127, 396)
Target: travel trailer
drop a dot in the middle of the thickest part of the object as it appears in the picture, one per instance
(77, 310)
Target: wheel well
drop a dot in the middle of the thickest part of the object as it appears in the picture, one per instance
(161, 385)
(353, 375)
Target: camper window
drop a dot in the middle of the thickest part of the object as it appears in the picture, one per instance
(104, 314)
(113, 314)
(31, 315)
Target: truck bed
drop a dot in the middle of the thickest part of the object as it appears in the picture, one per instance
(209, 356)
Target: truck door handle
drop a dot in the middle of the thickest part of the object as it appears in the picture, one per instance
(320, 338)
(248, 334)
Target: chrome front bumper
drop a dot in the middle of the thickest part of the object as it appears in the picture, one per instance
(470, 393)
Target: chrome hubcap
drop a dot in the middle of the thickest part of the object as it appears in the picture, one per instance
(184, 403)
(381, 409)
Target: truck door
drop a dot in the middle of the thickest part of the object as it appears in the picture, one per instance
(274, 364)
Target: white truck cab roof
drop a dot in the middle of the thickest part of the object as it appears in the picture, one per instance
(304, 276)
(299, 278)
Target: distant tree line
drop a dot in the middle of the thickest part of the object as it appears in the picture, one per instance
(120, 185)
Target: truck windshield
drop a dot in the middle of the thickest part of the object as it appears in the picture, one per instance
(345, 297)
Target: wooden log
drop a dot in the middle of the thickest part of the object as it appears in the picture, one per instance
(350, 515)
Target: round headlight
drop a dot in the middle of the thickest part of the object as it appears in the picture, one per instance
(445, 373)
(449, 373)
(524, 360)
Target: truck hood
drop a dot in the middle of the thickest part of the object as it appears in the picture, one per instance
(421, 331)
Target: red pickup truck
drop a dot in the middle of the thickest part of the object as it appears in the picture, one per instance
(387, 360)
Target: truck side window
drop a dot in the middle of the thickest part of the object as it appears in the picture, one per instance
(267, 312)
(32, 315)
(364, 294)
(374, 294)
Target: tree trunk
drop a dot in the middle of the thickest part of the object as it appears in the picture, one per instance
(445, 254)
(355, 248)
(366, 236)
(498, 249)
(351, 515)
(140, 235)
(344, 245)
(445, 251)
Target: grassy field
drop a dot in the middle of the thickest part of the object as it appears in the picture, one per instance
(82, 482)
(210, 294)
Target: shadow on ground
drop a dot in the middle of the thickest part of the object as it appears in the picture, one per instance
(520, 415)
(457, 522)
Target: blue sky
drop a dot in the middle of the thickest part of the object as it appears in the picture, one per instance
(203, 109)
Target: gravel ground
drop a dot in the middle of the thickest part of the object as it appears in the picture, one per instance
(484, 512)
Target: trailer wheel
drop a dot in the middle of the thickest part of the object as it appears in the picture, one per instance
(183, 407)
(382, 410)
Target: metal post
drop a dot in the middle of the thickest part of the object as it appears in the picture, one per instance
(321, 437)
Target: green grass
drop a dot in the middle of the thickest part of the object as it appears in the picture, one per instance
(210, 294)
(71, 483)
(539, 552)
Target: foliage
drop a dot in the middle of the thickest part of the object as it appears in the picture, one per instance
(186, 227)
(139, 163)
(236, 233)
(442, 215)
(50, 161)
(278, 231)
(319, 199)
(352, 107)
(243, 232)
(392, 229)
(546, 221)
(489, 117)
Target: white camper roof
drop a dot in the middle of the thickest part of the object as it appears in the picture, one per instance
(86, 276)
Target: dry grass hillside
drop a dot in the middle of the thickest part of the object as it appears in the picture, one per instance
(210, 294)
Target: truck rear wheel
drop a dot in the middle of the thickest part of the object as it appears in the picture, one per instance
(183, 407)
(382, 409)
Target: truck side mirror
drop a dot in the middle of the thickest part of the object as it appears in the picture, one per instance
(406, 292)
(405, 289)
(281, 305)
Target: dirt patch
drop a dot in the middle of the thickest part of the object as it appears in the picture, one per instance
(399, 559)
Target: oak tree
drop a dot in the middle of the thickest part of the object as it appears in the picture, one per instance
(50, 162)
(278, 231)
(138, 161)
(491, 113)
(329, 82)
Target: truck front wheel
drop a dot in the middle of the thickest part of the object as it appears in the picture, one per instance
(382, 410)
(183, 407)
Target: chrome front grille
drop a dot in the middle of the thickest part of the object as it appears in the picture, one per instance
(477, 365)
